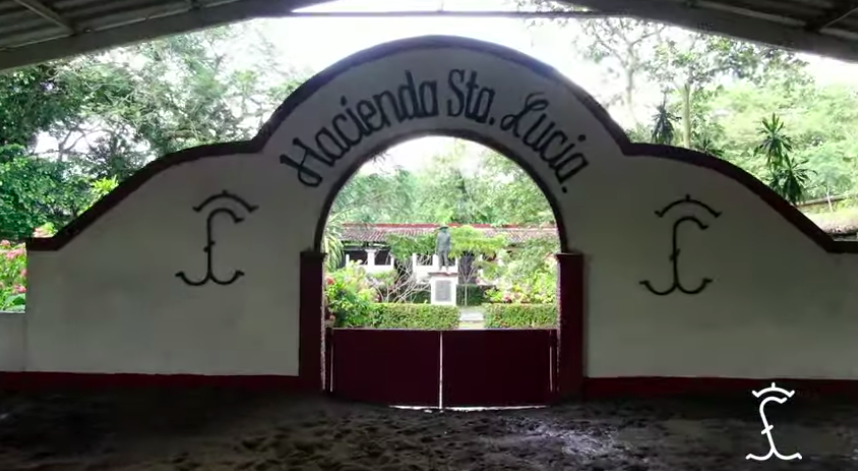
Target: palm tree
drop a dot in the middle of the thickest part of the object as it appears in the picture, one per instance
(662, 129)
(787, 177)
(332, 243)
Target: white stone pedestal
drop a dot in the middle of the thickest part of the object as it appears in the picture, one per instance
(443, 288)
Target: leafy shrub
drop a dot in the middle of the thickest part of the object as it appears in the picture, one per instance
(13, 276)
(537, 288)
(415, 316)
(534, 316)
(350, 296)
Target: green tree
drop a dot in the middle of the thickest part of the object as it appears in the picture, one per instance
(662, 128)
(787, 176)
(688, 63)
(35, 191)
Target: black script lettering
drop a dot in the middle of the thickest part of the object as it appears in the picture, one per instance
(537, 144)
(350, 142)
(431, 87)
(408, 96)
(306, 175)
(379, 104)
(532, 102)
(320, 143)
(362, 131)
(310, 152)
(366, 112)
(544, 147)
(568, 167)
(475, 109)
(455, 77)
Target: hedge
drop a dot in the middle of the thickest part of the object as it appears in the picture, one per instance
(534, 316)
(412, 316)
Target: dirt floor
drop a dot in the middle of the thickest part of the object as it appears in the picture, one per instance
(212, 431)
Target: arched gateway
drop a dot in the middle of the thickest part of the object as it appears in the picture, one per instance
(204, 266)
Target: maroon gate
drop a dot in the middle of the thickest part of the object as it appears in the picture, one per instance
(455, 368)
(398, 367)
(464, 368)
(498, 367)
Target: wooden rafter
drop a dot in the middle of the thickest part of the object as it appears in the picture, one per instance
(47, 13)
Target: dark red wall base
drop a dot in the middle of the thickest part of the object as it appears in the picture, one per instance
(593, 388)
(41, 381)
(651, 387)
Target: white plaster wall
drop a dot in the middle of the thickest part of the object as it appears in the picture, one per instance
(12, 341)
(778, 307)
(110, 301)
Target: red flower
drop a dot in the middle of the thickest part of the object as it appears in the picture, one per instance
(20, 289)
(329, 280)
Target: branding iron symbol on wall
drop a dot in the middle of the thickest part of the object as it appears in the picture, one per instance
(210, 242)
(674, 255)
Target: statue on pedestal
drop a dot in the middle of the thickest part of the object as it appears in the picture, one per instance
(442, 247)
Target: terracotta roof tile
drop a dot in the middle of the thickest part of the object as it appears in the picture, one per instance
(377, 233)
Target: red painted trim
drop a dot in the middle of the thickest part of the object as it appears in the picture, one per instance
(312, 320)
(570, 322)
(37, 380)
(647, 387)
(329, 358)
(305, 91)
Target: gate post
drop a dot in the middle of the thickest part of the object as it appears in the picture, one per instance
(570, 330)
(311, 320)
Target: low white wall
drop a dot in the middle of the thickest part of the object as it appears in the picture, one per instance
(12, 351)
(110, 301)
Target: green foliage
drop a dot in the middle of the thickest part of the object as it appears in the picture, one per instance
(497, 191)
(471, 295)
(466, 239)
(350, 297)
(32, 99)
(414, 316)
(527, 274)
(787, 176)
(662, 128)
(36, 191)
(522, 316)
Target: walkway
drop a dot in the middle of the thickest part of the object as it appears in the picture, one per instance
(471, 318)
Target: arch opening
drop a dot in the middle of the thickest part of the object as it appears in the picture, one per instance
(493, 307)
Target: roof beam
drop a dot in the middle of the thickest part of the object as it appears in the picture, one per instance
(842, 10)
(729, 24)
(153, 28)
(47, 13)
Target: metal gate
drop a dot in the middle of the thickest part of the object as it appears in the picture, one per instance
(455, 368)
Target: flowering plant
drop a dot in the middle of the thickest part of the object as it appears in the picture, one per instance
(13, 271)
(13, 276)
(350, 296)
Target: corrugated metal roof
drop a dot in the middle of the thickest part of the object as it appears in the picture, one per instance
(825, 27)
(34, 31)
